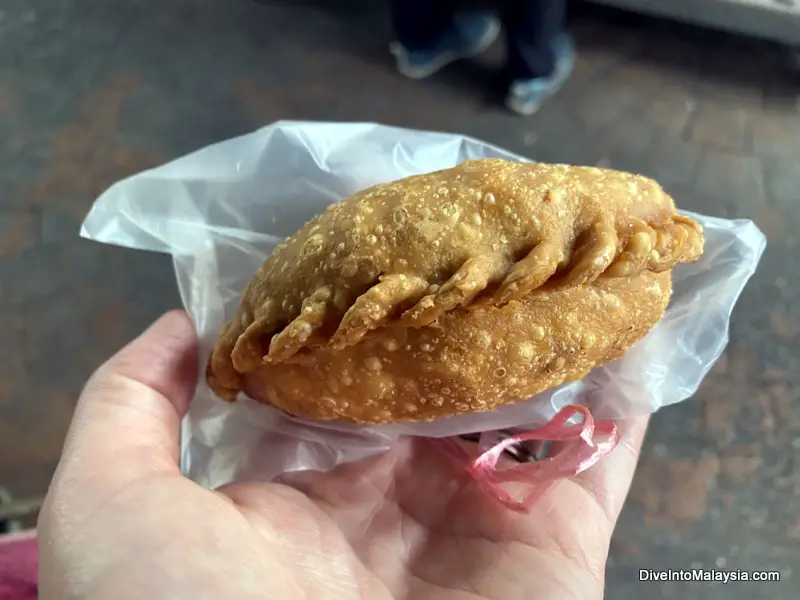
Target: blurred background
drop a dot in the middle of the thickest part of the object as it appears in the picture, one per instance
(703, 95)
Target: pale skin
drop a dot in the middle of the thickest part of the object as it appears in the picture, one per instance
(120, 521)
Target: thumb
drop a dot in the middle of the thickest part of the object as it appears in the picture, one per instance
(127, 420)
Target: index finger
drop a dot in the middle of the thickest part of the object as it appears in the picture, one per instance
(610, 479)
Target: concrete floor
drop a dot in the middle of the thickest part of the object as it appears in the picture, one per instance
(91, 92)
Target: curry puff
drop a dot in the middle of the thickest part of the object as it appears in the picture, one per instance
(454, 292)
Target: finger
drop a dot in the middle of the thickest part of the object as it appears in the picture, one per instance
(610, 479)
(127, 420)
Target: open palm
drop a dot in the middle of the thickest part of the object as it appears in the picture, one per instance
(120, 521)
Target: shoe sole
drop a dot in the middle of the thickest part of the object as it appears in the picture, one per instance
(445, 59)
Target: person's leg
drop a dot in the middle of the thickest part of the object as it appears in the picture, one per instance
(540, 54)
(420, 24)
(531, 28)
(429, 35)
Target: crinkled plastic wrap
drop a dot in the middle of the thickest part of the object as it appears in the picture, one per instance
(220, 212)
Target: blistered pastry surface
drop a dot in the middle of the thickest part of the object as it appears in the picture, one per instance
(475, 361)
(444, 256)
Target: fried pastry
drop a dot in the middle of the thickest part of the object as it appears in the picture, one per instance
(455, 291)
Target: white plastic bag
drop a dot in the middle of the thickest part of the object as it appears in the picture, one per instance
(220, 212)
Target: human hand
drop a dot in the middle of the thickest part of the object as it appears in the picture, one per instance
(120, 521)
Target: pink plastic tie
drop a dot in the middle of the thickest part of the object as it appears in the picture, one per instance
(587, 443)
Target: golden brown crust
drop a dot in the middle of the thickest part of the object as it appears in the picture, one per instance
(475, 361)
(389, 289)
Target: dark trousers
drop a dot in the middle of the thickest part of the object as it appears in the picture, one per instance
(531, 26)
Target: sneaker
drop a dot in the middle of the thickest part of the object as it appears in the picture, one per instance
(525, 96)
(471, 35)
